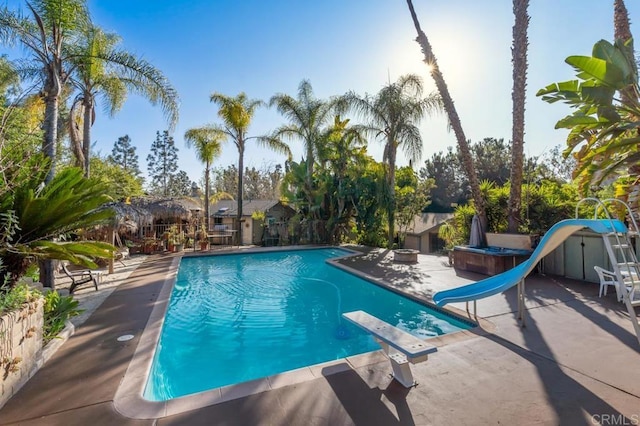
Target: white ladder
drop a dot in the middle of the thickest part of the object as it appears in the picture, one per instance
(622, 256)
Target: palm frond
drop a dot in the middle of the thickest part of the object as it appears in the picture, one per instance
(207, 142)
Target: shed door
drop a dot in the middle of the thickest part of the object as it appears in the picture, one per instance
(581, 254)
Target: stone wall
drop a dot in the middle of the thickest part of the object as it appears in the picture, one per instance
(20, 347)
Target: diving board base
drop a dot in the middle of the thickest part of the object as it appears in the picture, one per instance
(401, 348)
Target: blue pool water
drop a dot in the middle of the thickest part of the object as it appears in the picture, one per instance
(236, 318)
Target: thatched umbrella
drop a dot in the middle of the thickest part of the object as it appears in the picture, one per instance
(169, 209)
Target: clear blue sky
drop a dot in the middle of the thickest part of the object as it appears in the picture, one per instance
(267, 47)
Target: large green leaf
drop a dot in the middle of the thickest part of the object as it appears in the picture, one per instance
(600, 95)
(605, 72)
(613, 55)
(566, 91)
(576, 120)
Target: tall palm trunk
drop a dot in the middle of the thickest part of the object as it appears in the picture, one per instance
(454, 119)
(240, 179)
(87, 105)
(52, 90)
(622, 31)
(207, 195)
(309, 181)
(391, 207)
(75, 138)
(50, 125)
(519, 59)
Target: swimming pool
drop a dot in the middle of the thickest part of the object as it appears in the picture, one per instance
(240, 317)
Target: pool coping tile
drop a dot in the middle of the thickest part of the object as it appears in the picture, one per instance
(129, 400)
(290, 377)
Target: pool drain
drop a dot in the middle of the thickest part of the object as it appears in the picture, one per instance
(125, 338)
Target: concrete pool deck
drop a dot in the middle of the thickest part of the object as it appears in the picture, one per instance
(576, 362)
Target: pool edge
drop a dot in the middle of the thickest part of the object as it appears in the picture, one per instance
(129, 402)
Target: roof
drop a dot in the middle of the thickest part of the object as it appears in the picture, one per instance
(230, 207)
(169, 207)
(427, 221)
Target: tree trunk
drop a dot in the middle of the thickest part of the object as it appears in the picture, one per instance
(312, 215)
(391, 208)
(207, 196)
(50, 125)
(309, 180)
(240, 178)
(52, 90)
(454, 120)
(628, 95)
(87, 104)
(622, 31)
(75, 138)
(519, 59)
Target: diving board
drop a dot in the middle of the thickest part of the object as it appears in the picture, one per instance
(407, 347)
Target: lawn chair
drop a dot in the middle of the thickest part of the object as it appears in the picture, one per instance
(608, 278)
(79, 277)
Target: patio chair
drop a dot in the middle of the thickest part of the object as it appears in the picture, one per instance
(81, 276)
(607, 278)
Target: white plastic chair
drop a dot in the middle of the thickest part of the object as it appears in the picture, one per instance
(607, 278)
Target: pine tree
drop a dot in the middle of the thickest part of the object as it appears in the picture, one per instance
(180, 185)
(162, 163)
(124, 155)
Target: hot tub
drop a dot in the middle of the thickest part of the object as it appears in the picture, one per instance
(488, 260)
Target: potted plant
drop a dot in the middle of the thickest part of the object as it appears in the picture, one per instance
(204, 240)
(175, 239)
(133, 248)
(179, 241)
(149, 245)
(449, 234)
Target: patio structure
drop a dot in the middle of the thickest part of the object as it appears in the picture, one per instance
(270, 229)
(422, 234)
(181, 215)
(574, 363)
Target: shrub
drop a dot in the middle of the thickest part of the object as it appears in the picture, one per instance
(16, 297)
(57, 310)
(543, 204)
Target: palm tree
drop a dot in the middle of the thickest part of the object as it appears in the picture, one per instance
(519, 59)
(207, 143)
(342, 149)
(46, 36)
(236, 114)
(103, 70)
(454, 119)
(308, 120)
(393, 114)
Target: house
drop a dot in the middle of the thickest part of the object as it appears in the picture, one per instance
(422, 234)
(263, 221)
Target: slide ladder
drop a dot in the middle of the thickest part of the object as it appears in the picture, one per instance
(622, 255)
